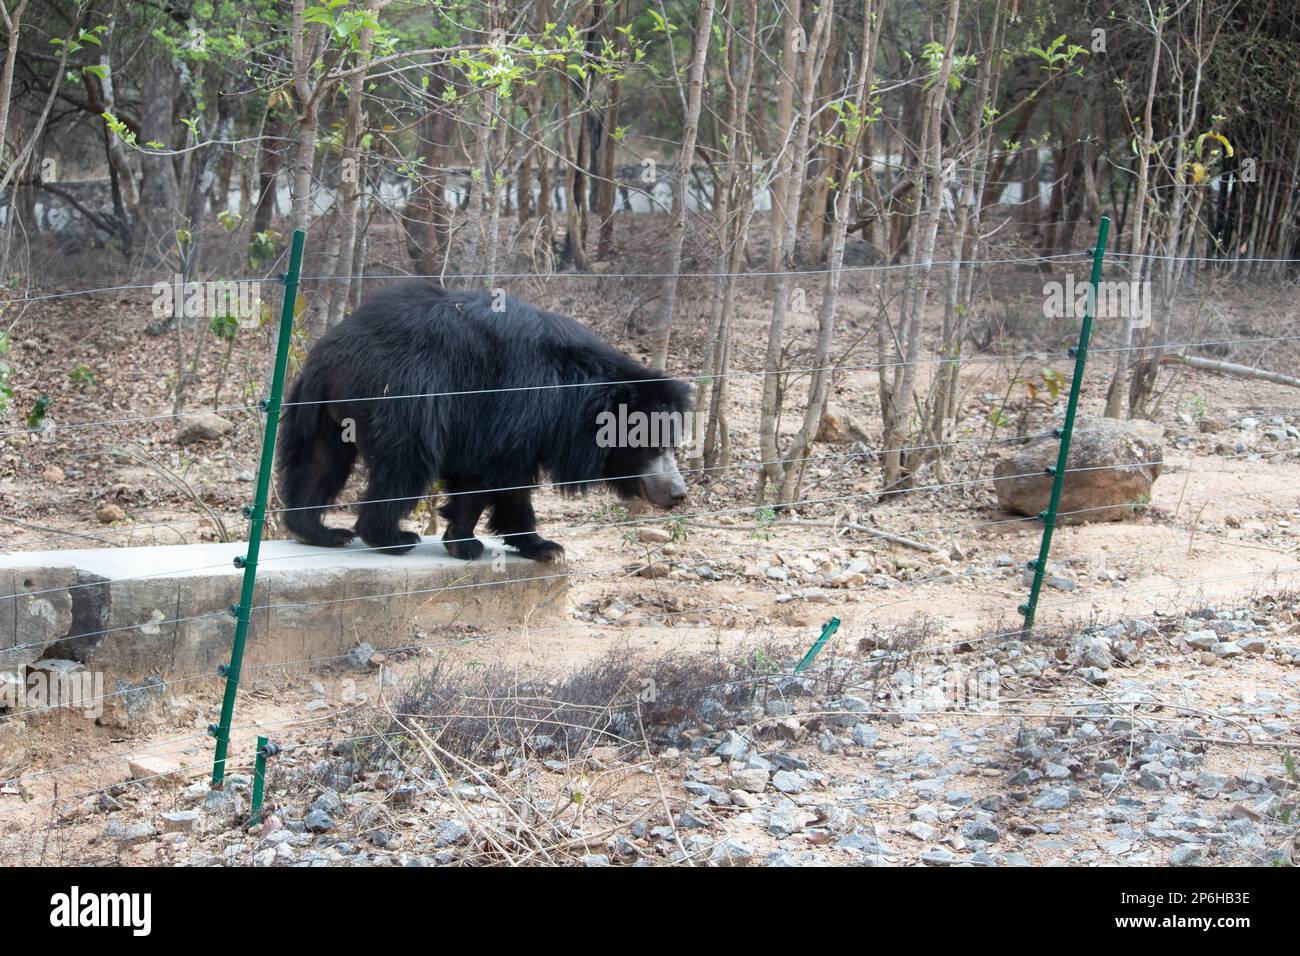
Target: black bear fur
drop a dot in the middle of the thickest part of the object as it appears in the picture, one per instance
(440, 387)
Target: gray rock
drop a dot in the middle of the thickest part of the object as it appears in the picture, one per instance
(866, 842)
(864, 735)
(450, 833)
(733, 748)
(731, 853)
(129, 834)
(751, 781)
(328, 802)
(984, 832)
(1095, 652)
(181, 821)
(715, 795)
(785, 821)
(1187, 854)
(360, 655)
(1053, 798)
(787, 782)
(318, 821)
(923, 831)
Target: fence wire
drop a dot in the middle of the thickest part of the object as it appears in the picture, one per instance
(647, 618)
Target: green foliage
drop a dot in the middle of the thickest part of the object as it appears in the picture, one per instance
(82, 39)
(933, 53)
(6, 390)
(261, 248)
(119, 129)
(224, 327)
(81, 376)
(37, 414)
(762, 663)
(344, 24)
(678, 529)
(1055, 58)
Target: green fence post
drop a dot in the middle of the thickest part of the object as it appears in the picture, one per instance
(257, 513)
(265, 749)
(828, 629)
(1080, 354)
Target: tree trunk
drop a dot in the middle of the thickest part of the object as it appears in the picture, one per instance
(681, 182)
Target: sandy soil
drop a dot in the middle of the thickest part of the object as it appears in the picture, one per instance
(1222, 528)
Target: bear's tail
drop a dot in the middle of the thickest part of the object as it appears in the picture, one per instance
(313, 461)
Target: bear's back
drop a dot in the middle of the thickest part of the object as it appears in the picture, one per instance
(419, 316)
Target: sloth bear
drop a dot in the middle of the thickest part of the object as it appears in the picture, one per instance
(481, 393)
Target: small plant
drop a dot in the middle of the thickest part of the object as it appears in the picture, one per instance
(6, 390)
(1139, 503)
(762, 664)
(1200, 408)
(37, 414)
(765, 518)
(610, 514)
(998, 418)
(261, 248)
(81, 376)
(225, 328)
(1287, 811)
(678, 530)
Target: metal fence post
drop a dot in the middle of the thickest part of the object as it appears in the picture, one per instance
(265, 750)
(828, 629)
(1080, 354)
(257, 513)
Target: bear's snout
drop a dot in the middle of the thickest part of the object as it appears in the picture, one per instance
(663, 486)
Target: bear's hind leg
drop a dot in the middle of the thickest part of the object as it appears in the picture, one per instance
(390, 496)
(313, 472)
(513, 518)
(462, 510)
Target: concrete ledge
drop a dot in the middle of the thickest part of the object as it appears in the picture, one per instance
(161, 611)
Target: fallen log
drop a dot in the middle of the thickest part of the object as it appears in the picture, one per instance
(1229, 368)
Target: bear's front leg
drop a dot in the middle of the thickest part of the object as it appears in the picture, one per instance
(462, 511)
(513, 518)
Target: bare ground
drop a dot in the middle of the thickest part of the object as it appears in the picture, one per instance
(1220, 531)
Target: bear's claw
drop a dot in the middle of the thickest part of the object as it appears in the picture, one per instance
(466, 549)
(547, 552)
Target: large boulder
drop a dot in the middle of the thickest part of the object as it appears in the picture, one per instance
(201, 427)
(1112, 466)
(837, 428)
